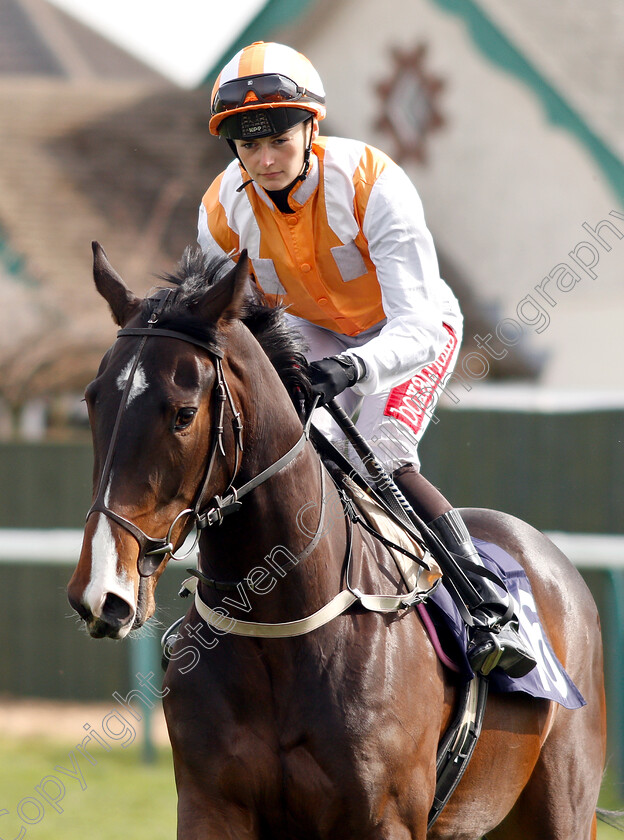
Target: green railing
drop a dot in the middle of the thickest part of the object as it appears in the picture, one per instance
(49, 654)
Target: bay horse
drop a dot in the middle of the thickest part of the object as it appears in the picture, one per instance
(331, 733)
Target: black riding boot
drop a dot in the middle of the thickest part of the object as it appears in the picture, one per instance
(494, 640)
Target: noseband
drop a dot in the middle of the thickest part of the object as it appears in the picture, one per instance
(153, 550)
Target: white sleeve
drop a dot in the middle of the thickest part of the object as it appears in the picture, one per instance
(208, 243)
(415, 299)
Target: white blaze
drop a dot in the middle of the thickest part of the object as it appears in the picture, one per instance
(139, 382)
(105, 578)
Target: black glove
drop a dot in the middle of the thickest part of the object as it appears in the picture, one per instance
(329, 377)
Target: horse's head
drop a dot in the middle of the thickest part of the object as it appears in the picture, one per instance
(165, 412)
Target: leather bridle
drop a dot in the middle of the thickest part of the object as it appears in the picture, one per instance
(153, 550)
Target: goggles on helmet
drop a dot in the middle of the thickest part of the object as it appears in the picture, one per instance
(268, 89)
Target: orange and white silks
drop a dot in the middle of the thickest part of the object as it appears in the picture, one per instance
(354, 253)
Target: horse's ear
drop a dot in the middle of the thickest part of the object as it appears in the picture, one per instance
(238, 282)
(123, 303)
(225, 300)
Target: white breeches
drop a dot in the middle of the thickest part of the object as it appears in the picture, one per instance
(393, 422)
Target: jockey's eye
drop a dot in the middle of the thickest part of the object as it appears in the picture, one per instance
(184, 418)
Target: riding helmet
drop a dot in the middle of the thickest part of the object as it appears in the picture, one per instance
(265, 89)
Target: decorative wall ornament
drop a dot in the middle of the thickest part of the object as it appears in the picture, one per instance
(410, 104)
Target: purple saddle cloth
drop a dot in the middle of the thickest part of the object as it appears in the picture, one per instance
(548, 679)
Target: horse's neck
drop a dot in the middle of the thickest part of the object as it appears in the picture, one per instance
(280, 517)
(289, 534)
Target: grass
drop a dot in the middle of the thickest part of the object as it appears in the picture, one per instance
(609, 799)
(120, 795)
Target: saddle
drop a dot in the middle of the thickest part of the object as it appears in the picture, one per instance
(418, 569)
(448, 634)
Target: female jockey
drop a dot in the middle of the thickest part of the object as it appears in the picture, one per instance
(335, 230)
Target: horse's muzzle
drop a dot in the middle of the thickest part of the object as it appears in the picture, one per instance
(115, 620)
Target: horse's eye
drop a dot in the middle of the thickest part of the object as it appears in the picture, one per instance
(184, 418)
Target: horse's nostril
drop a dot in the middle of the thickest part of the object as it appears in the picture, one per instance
(115, 609)
(83, 611)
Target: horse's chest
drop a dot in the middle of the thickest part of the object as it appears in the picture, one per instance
(316, 780)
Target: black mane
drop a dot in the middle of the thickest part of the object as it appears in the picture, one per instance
(283, 345)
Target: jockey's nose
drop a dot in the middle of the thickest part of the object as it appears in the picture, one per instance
(267, 156)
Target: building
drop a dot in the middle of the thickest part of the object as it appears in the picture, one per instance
(507, 119)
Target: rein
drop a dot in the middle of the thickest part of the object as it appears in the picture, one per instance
(283, 569)
(152, 550)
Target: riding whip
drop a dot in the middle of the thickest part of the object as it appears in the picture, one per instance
(458, 584)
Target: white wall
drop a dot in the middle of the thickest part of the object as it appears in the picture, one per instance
(505, 192)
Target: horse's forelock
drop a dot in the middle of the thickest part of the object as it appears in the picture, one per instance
(195, 275)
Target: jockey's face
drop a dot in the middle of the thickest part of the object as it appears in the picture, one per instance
(274, 162)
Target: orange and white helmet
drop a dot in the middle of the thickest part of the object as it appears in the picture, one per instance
(265, 89)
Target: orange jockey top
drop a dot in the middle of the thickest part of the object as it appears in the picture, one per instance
(317, 265)
(355, 251)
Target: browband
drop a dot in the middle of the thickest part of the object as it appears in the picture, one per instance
(210, 347)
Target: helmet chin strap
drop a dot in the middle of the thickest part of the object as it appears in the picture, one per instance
(306, 154)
